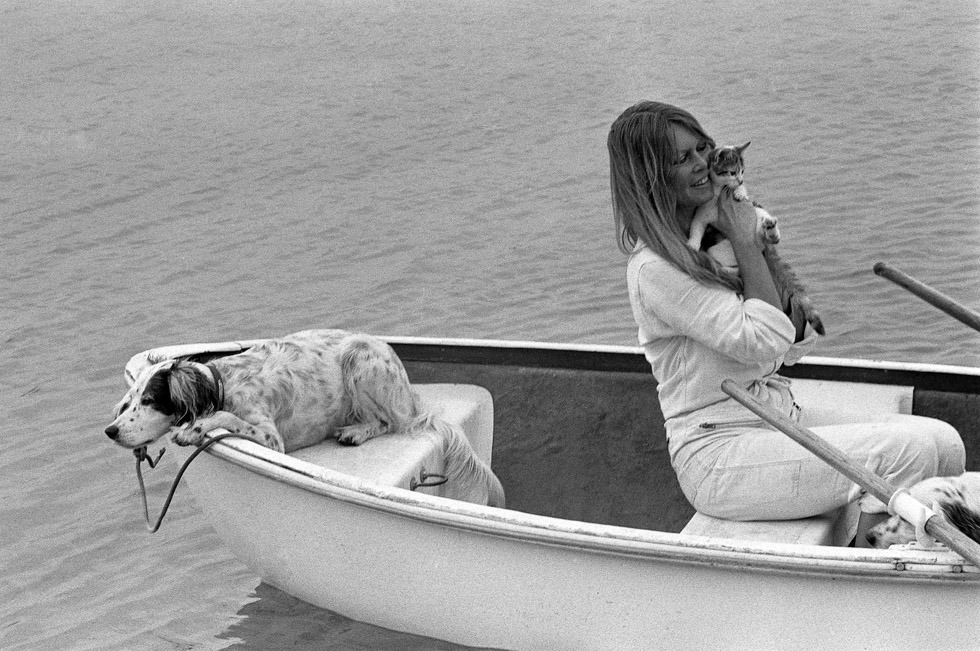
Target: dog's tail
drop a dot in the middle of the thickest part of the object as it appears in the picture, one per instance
(469, 478)
(380, 391)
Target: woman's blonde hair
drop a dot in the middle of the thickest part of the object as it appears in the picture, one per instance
(641, 153)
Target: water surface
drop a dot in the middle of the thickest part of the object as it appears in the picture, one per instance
(203, 171)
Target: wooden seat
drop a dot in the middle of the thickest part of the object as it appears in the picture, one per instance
(468, 406)
(820, 530)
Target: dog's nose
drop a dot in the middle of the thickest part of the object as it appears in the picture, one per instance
(112, 432)
(871, 538)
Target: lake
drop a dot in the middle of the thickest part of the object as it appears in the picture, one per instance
(178, 172)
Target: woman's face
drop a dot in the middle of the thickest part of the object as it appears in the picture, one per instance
(689, 170)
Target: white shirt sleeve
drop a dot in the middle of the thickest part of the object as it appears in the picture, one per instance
(672, 303)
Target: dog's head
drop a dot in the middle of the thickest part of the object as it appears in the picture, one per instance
(942, 494)
(893, 531)
(165, 395)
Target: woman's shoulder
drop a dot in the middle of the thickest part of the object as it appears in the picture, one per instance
(643, 255)
(651, 263)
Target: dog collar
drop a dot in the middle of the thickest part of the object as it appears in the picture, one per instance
(219, 386)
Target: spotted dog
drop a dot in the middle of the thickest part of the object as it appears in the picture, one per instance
(955, 498)
(290, 393)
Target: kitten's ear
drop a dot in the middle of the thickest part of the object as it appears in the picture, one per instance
(742, 148)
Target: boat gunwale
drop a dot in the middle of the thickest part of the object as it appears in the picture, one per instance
(606, 357)
(631, 359)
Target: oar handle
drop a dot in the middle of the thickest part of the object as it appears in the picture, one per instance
(937, 527)
(928, 294)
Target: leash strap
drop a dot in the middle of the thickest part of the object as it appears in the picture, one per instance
(142, 456)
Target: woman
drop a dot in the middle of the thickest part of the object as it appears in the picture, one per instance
(700, 324)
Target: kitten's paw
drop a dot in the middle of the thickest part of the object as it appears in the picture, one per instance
(770, 234)
(767, 226)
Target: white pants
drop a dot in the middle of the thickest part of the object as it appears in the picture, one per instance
(752, 472)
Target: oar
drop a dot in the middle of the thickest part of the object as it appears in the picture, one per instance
(937, 527)
(929, 295)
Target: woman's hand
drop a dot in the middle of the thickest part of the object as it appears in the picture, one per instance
(737, 220)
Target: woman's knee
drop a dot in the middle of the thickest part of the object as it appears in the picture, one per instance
(949, 448)
(930, 446)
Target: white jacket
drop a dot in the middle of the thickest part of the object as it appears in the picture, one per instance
(695, 336)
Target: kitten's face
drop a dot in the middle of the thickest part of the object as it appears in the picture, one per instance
(726, 164)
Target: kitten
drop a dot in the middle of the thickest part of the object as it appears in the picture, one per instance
(726, 167)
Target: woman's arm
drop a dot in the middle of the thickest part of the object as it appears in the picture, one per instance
(668, 303)
(741, 218)
(737, 221)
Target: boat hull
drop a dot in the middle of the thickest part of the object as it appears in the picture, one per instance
(494, 578)
(589, 571)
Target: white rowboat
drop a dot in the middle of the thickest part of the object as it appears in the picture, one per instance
(595, 549)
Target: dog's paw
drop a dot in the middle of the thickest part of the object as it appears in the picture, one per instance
(356, 434)
(272, 442)
(191, 435)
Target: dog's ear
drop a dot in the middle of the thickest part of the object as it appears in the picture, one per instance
(156, 392)
(964, 519)
(191, 393)
(742, 148)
